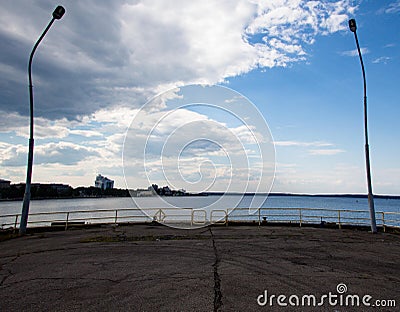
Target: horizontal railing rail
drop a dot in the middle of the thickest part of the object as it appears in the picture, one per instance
(196, 217)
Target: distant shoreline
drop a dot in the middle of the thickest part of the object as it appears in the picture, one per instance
(222, 193)
(305, 195)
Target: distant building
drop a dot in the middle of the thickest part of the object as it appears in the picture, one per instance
(4, 184)
(144, 193)
(103, 183)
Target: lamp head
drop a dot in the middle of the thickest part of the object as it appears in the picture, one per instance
(353, 25)
(58, 12)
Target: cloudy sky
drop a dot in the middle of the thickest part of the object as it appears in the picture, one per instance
(294, 60)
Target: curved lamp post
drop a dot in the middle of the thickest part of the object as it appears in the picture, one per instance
(353, 28)
(57, 14)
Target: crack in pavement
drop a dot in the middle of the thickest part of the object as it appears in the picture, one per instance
(10, 273)
(217, 279)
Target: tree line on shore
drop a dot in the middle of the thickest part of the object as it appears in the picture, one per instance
(52, 191)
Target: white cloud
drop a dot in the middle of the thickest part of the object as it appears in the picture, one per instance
(85, 133)
(302, 144)
(325, 152)
(66, 153)
(315, 148)
(44, 128)
(355, 52)
(393, 8)
(117, 116)
(292, 20)
(188, 148)
(390, 45)
(382, 59)
(198, 41)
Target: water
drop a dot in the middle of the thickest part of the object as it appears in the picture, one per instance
(275, 208)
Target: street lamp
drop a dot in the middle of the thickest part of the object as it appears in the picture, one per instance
(353, 28)
(57, 14)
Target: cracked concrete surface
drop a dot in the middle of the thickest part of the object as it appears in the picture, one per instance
(217, 279)
(6, 272)
(155, 268)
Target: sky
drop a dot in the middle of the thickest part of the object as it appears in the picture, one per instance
(115, 80)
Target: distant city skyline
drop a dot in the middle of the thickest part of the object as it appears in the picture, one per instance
(295, 60)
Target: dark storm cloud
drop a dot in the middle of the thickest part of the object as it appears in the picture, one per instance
(119, 53)
(13, 83)
(76, 67)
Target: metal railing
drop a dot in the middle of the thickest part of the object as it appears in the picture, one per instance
(197, 217)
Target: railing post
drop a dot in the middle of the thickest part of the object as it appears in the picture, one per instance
(116, 216)
(226, 217)
(15, 223)
(383, 222)
(66, 222)
(259, 216)
(300, 215)
(339, 220)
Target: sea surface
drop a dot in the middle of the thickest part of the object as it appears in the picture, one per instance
(205, 208)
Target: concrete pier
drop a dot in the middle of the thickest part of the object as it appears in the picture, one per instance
(156, 268)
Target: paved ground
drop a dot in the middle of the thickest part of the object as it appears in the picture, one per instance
(156, 268)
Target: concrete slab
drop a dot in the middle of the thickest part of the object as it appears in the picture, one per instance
(156, 268)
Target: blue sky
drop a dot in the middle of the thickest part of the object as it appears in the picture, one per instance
(293, 60)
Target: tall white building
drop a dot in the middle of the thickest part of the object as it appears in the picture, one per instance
(103, 182)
